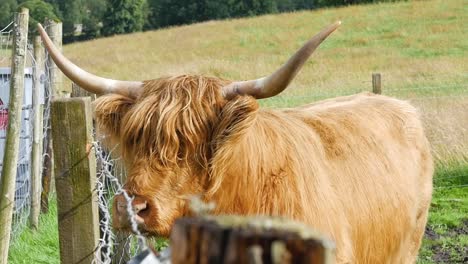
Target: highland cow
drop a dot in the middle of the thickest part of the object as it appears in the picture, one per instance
(356, 168)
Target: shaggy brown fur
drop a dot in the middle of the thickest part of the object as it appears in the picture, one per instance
(357, 168)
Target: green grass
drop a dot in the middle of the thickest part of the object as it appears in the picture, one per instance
(446, 239)
(39, 246)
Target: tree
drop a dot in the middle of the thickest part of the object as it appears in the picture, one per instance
(241, 8)
(88, 13)
(176, 12)
(7, 9)
(348, 2)
(124, 16)
(92, 21)
(38, 12)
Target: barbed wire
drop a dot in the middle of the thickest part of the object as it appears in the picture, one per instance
(5, 40)
(108, 185)
(3, 30)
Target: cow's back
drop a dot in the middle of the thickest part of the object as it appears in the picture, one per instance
(356, 168)
(379, 165)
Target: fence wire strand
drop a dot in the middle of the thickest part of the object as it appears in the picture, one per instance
(113, 247)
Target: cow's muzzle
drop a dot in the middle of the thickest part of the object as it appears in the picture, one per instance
(122, 214)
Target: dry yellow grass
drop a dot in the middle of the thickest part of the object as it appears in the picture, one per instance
(407, 42)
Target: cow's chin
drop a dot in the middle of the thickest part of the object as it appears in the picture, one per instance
(155, 226)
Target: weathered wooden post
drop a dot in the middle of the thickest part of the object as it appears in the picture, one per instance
(75, 171)
(376, 83)
(237, 239)
(57, 90)
(36, 153)
(10, 160)
(77, 91)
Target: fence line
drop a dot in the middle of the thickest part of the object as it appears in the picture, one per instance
(10, 158)
(23, 189)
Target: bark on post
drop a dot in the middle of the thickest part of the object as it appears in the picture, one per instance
(36, 160)
(376, 83)
(10, 160)
(75, 171)
(236, 239)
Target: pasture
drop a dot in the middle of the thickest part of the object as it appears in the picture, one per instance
(417, 47)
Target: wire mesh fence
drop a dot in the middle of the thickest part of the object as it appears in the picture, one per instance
(23, 179)
(113, 247)
(5, 44)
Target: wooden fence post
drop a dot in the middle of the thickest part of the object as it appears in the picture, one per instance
(121, 247)
(238, 239)
(10, 160)
(57, 90)
(36, 153)
(376, 83)
(75, 171)
(77, 91)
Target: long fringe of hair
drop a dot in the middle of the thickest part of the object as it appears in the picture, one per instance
(170, 123)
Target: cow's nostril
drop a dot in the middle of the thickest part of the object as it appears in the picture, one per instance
(140, 207)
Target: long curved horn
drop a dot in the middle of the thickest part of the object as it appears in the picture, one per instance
(274, 84)
(86, 80)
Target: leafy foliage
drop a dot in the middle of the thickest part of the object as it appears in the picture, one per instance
(38, 12)
(85, 13)
(123, 16)
(348, 2)
(7, 9)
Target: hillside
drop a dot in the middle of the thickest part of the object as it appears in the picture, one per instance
(413, 44)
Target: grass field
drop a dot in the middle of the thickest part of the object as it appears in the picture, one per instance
(420, 48)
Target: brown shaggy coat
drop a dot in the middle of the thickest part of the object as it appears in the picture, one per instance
(357, 168)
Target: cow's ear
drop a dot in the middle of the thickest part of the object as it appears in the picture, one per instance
(236, 117)
(109, 111)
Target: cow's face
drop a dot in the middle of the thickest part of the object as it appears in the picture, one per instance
(164, 137)
(159, 197)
